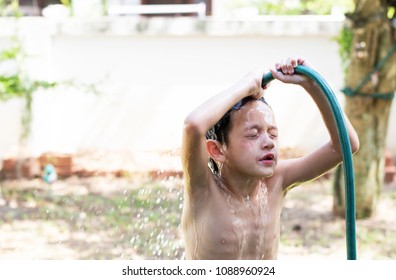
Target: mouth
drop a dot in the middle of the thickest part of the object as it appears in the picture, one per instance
(267, 158)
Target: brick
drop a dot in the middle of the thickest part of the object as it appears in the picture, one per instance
(389, 158)
(28, 168)
(390, 172)
(63, 163)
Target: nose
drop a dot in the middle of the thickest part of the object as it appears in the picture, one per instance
(267, 142)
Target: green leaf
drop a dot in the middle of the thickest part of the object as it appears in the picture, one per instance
(11, 53)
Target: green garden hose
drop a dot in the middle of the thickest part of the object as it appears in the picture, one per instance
(350, 211)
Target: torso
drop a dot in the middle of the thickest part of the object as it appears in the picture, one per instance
(218, 226)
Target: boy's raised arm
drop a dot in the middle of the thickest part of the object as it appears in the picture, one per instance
(198, 122)
(329, 155)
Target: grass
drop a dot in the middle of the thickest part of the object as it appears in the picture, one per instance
(139, 218)
(142, 219)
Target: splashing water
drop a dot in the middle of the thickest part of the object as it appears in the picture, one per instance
(156, 222)
(138, 220)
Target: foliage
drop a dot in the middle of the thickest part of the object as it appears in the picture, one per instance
(344, 40)
(293, 7)
(10, 8)
(67, 3)
(15, 82)
(391, 12)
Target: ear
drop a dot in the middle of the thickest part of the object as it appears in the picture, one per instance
(215, 150)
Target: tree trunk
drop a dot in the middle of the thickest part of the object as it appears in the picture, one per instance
(372, 40)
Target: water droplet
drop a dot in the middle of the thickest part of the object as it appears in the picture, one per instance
(82, 215)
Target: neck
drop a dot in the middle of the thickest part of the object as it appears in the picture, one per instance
(241, 187)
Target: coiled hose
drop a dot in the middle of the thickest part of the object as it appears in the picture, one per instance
(350, 211)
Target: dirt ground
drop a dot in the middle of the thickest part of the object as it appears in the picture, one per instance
(72, 219)
(311, 231)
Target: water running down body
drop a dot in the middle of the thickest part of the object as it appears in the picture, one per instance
(232, 208)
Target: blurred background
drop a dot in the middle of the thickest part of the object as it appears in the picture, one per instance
(93, 95)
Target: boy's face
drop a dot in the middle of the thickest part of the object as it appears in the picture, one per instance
(252, 146)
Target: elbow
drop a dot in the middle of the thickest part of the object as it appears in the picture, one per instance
(355, 144)
(354, 140)
(193, 126)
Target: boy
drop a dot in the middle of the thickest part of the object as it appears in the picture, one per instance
(232, 208)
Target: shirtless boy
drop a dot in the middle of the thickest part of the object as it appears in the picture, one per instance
(232, 205)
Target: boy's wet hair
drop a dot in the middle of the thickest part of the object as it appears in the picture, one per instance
(220, 130)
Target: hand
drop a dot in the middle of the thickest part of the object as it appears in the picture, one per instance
(254, 79)
(284, 71)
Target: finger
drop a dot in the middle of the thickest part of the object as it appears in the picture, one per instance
(279, 75)
(294, 62)
(264, 87)
(277, 72)
(284, 68)
(302, 61)
(290, 66)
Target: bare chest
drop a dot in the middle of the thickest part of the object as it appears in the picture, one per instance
(243, 232)
(231, 229)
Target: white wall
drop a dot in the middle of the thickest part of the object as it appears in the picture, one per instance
(149, 83)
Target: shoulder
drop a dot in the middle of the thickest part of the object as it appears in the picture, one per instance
(281, 180)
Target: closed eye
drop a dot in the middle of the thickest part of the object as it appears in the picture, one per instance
(273, 133)
(252, 135)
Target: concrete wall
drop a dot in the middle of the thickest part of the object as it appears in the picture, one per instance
(151, 73)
